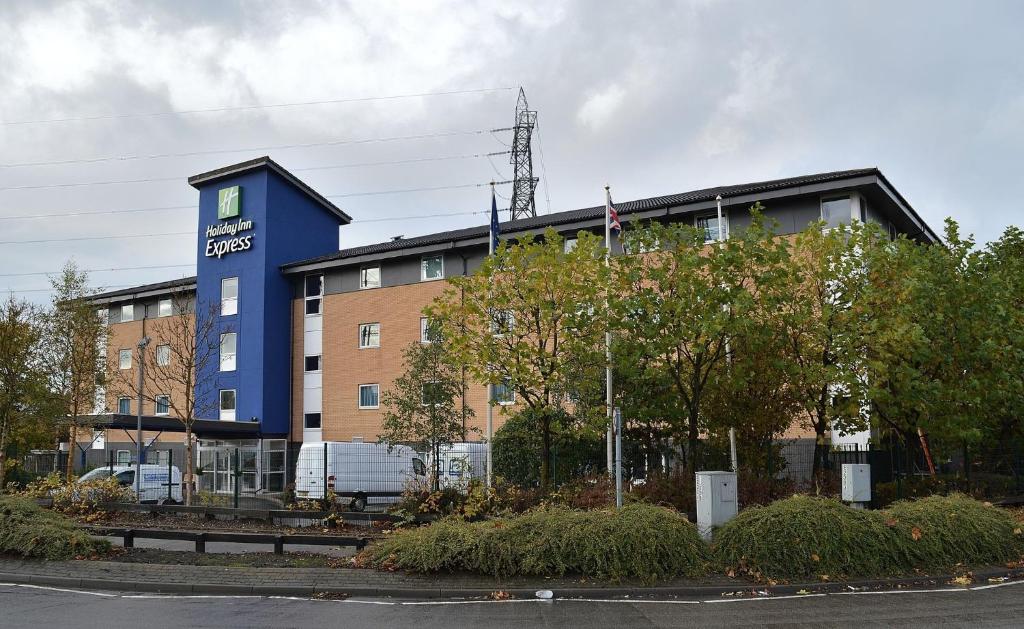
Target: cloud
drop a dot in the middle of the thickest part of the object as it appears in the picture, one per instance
(653, 97)
(601, 107)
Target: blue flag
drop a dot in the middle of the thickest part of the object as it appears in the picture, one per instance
(495, 228)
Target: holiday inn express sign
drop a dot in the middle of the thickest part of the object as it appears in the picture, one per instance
(229, 203)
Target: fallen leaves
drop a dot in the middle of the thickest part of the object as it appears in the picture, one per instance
(915, 533)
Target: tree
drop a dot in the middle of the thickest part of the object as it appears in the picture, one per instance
(73, 354)
(187, 343)
(528, 319)
(1003, 266)
(678, 306)
(24, 399)
(929, 339)
(822, 325)
(424, 406)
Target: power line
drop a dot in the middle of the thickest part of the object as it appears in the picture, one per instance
(184, 177)
(95, 238)
(426, 189)
(252, 107)
(76, 213)
(193, 233)
(121, 268)
(275, 147)
(50, 290)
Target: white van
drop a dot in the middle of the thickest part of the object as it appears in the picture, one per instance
(154, 481)
(368, 473)
(461, 463)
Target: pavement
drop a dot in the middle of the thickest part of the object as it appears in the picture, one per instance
(42, 606)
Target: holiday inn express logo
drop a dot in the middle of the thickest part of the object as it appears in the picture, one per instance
(228, 207)
(228, 202)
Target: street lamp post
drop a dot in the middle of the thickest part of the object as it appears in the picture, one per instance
(138, 419)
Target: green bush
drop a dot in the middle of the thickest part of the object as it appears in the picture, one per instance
(641, 542)
(802, 537)
(939, 532)
(28, 530)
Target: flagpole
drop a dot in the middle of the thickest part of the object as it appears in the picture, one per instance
(610, 447)
(728, 350)
(490, 387)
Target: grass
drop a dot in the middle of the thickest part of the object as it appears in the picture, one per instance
(28, 530)
(939, 532)
(807, 537)
(641, 542)
(804, 537)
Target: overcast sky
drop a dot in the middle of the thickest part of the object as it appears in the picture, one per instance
(649, 97)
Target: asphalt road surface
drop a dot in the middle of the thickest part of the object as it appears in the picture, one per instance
(35, 607)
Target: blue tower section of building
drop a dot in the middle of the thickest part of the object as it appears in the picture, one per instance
(253, 218)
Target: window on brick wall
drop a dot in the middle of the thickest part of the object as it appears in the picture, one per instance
(369, 335)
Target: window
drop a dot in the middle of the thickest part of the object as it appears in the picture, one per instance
(229, 296)
(502, 322)
(369, 335)
(124, 405)
(311, 421)
(369, 277)
(369, 395)
(314, 291)
(836, 212)
(123, 457)
(570, 244)
(126, 478)
(504, 394)
(418, 467)
(432, 393)
(712, 230)
(228, 349)
(163, 355)
(127, 312)
(227, 404)
(428, 331)
(432, 268)
(163, 308)
(124, 359)
(312, 363)
(163, 404)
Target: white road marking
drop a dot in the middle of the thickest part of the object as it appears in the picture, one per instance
(521, 600)
(995, 585)
(761, 598)
(54, 589)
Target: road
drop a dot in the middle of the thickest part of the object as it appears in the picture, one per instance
(35, 607)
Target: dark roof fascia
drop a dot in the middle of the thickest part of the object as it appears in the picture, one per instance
(902, 203)
(166, 423)
(479, 235)
(146, 290)
(266, 162)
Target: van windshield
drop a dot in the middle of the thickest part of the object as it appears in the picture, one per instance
(97, 474)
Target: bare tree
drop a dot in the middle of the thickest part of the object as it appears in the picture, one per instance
(73, 353)
(186, 343)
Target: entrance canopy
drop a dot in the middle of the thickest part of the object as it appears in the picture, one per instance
(202, 428)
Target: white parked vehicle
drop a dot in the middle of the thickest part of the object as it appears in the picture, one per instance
(460, 463)
(366, 473)
(154, 481)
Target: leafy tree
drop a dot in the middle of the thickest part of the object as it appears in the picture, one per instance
(1003, 266)
(24, 399)
(73, 354)
(425, 405)
(821, 325)
(192, 342)
(678, 307)
(929, 341)
(531, 318)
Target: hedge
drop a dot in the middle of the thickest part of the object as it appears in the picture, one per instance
(641, 541)
(28, 530)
